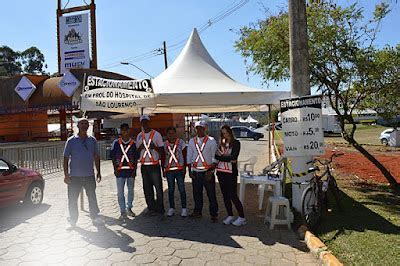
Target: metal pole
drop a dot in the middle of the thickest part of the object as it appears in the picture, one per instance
(165, 55)
(93, 33)
(269, 135)
(299, 79)
(58, 14)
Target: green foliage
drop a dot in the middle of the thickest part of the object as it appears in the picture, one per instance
(345, 64)
(13, 62)
(343, 58)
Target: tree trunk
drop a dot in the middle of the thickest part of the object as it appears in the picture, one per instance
(373, 160)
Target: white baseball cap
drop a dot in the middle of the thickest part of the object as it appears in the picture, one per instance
(200, 124)
(144, 117)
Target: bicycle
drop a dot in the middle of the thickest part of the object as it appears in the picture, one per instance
(314, 197)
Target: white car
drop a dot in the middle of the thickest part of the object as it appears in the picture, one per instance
(385, 136)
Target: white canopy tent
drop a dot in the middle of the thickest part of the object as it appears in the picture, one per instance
(195, 83)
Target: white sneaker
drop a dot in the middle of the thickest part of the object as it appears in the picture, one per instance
(70, 226)
(239, 221)
(184, 212)
(171, 212)
(228, 220)
(98, 221)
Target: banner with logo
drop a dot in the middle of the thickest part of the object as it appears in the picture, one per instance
(25, 88)
(74, 42)
(124, 96)
(68, 84)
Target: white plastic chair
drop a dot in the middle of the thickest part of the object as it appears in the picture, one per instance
(247, 166)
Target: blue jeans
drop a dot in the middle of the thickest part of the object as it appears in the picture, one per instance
(180, 179)
(130, 183)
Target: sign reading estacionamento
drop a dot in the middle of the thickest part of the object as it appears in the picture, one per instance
(302, 126)
(74, 42)
(124, 96)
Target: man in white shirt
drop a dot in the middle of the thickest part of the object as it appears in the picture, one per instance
(150, 145)
(201, 163)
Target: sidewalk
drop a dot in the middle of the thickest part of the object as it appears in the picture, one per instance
(38, 237)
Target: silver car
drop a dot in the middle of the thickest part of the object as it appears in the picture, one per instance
(385, 136)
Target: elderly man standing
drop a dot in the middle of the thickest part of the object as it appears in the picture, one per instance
(201, 163)
(79, 154)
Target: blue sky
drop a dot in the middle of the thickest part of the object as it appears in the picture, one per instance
(127, 28)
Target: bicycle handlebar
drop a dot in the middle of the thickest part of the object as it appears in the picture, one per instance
(326, 161)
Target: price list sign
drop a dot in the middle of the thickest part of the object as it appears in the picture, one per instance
(302, 126)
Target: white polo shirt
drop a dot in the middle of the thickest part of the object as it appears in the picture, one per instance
(208, 152)
(157, 140)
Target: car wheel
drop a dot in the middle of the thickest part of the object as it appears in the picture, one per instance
(385, 142)
(34, 195)
(256, 137)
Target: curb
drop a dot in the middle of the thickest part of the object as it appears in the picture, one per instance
(317, 247)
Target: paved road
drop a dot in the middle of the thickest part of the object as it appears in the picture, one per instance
(38, 237)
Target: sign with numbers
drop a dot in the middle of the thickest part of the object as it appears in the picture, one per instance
(302, 126)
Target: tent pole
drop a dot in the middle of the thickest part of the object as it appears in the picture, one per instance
(269, 134)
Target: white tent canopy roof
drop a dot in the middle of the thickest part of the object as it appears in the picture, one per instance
(195, 83)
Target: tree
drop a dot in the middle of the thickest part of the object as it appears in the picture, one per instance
(13, 62)
(33, 61)
(343, 59)
(386, 101)
(9, 62)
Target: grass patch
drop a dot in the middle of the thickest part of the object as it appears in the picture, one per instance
(367, 231)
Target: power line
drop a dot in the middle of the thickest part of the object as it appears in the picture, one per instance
(227, 11)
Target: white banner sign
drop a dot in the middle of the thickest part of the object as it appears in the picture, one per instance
(68, 84)
(302, 126)
(74, 42)
(124, 96)
(25, 88)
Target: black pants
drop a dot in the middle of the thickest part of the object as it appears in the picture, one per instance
(77, 183)
(228, 184)
(151, 175)
(198, 182)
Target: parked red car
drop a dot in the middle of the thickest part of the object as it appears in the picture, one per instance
(19, 184)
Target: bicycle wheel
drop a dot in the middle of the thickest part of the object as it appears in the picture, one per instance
(335, 191)
(311, 207)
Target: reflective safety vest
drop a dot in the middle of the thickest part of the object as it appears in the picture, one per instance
(125, 157)
(200, 156)
(172, 157)
(225, 166)
(147, 153)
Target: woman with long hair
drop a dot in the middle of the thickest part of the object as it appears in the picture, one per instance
(227, 172)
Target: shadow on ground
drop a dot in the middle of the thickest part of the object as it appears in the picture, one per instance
(356, 217)
(203, 231)
(107, 238)
(17, 214)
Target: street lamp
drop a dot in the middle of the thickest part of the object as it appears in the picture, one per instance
(128, 63)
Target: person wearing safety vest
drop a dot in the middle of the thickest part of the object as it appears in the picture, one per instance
(124, 158)
(227, 172)
(150, 145)
(201, 165)
(174, 167)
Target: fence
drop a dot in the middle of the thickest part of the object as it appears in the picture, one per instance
(45, 158)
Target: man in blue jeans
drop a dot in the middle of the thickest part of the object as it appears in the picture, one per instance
(124, 157)
(174, 168)
(79, 154)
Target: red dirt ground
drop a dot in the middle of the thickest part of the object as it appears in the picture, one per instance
(353, 162)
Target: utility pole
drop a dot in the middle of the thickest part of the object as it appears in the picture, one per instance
(165, 55)
(300, 81)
